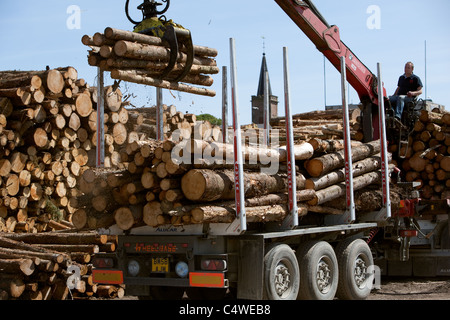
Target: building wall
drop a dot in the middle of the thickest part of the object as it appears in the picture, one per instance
(258, 108)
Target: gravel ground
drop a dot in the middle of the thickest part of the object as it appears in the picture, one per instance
(412, 289)
(401, 288)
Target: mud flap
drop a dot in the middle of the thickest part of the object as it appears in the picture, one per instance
(251, 268)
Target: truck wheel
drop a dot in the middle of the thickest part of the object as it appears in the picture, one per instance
(354, 258)
(281, 273)
(318, 271)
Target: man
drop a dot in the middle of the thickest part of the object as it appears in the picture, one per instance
(409, 86)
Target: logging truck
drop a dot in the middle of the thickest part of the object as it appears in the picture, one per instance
(277, 251)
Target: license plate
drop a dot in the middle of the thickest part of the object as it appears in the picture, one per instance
(160, 265)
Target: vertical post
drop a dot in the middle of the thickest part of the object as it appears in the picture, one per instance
(159, 115)
(100, 155)
(266, 110)
(325, 82)
(426, 86)
(292, 182)
(238, 162)
(225, 104)
(350, 215)
(383, 142)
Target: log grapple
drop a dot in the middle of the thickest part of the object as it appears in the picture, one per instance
(174, 35)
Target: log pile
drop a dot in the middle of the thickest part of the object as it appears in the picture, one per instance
(48, 139)
(142, 59)
(428, 156)
(320, 124)
(327, 172)
(176, 124)
(35, 266)
(159, 190)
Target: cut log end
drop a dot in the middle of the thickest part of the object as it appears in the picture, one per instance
(193, 185)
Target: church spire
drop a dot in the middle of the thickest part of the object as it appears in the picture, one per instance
(262, 83)
(258, 99)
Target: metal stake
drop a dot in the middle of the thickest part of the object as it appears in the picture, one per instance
(238, 162)
(292, 221)
(350, 215)
(383, 141)
(159, 115)
(225, 104)
(100, 155)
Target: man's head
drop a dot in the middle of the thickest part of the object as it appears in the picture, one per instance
(409, 68)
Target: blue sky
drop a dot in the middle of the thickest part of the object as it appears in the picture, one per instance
(34, 34)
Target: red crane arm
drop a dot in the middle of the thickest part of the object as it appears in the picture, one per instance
(328, 41)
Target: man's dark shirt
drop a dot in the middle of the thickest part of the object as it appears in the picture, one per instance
(412, 83)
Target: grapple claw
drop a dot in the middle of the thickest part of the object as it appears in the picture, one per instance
(175, 37)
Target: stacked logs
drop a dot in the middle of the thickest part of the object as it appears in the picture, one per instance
(142, 59)
(327, 172)
(320, 124)
(105, 190)
(176, 124)
(48, 140)
(428, 156)
(38, 165)
(50, 129)
(192, 183)
(36, 266)
(150, 190)
(320, 180)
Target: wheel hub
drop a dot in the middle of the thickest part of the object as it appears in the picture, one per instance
(323, 276)
(282, 279)
(360, 272)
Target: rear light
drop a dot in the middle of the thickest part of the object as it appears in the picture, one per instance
(103, 262)
(408, 233)
(407, 208)
(207, 280)
(107, 276)
(214, 265)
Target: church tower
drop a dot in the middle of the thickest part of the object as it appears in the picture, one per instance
(258, 100)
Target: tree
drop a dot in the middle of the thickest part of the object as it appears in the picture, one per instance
(208, 117)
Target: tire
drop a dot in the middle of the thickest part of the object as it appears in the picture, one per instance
(281, 273)
(354, 258)
(318, 271)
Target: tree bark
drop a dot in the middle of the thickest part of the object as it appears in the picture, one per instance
(24, 266)
(335, 191)
(142, 51)
(319, 166)
(364, 166)
(140, 79)
(58, 238)
(220, 214)
(208, 185)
